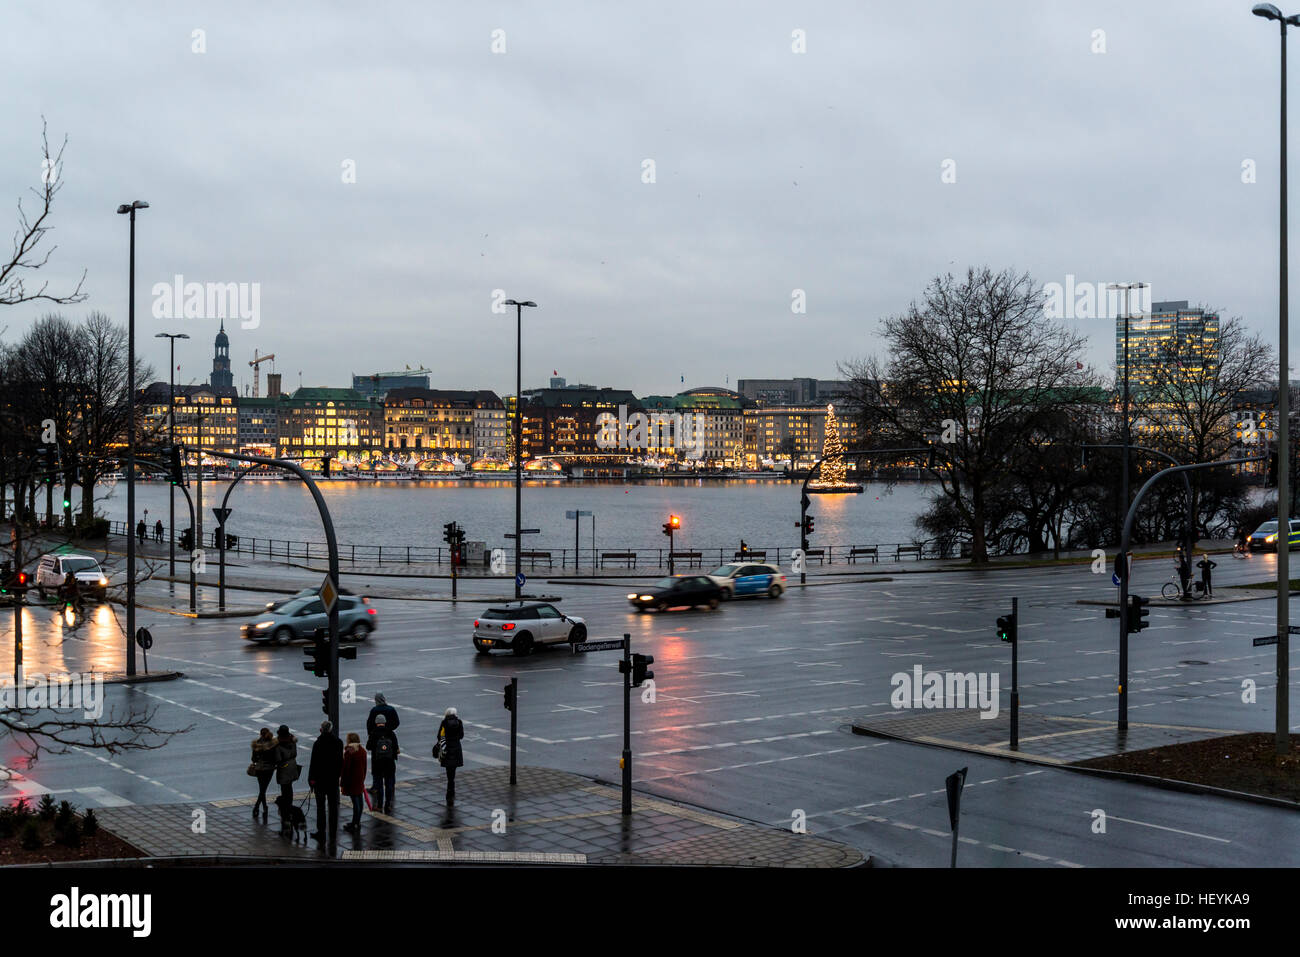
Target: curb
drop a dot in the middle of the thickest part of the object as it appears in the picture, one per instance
(1168, 784)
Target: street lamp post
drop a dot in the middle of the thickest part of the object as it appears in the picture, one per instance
(171, 430)
(519, 431)
(129, 209)
(1282, 742)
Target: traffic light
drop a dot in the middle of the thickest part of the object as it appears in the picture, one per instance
(1138, 613)
(325, 467)
(72, 469)
(1271, 481)
(675, 521)
(325, 700)
(449, 533)
(1007, 627)
(808, 525)
(318, 655)
(668, 529)
(174, 465)
(510, 697)
(639, 671)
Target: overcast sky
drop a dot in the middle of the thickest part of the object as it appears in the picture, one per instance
(523, 171)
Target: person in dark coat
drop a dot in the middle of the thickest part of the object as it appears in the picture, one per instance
(452, 757)
(1184, 565)
(286, 761)
(264, 763)
(1205, 565)
(140, 530)
(158, 531)
(323, 778)
(383, 749)
(352, 781)
(391, 721)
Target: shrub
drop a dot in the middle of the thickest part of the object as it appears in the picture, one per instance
(31, 839)
(21, 809)
(47, 808)
(64, 815)
(8, 823)
(89, 823)
(69, 835)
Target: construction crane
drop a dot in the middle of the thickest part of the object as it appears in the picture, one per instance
(257, 361)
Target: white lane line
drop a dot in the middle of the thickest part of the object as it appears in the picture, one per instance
(1161, 827)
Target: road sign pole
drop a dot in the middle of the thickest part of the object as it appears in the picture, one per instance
(627, 724)
(953, 784)
(514, 724)
(1015, 675)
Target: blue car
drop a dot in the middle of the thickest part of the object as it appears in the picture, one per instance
(741, 580)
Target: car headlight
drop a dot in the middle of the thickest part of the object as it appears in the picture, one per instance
(646, 597)
(1271, 538)
(261, 625)
(633, 595)
(103, 581)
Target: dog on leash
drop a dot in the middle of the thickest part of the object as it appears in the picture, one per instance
(292, 819)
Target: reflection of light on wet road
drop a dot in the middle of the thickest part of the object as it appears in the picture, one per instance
(51, 646)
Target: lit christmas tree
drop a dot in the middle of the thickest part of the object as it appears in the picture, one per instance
(833, 473)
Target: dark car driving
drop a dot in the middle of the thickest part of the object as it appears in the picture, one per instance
(679, 591)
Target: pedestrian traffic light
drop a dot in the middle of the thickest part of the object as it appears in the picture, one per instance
(1138, 613)
(72, 470)
(174, 465)
(510, 696)
(318, 655)
(449, 533)
(639, 671)
(325, 466)
(325, 700)
(1007, 627)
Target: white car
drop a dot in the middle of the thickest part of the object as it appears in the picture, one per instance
(53, 570)
(749, 579)
(520, 626)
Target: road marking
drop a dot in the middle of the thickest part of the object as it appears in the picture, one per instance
(1161, 827)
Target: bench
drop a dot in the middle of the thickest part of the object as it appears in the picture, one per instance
(629, 558)
(873, 551)
(751, 556)
(694, 559)
(907, 550)
(817, 553)
(535, 557)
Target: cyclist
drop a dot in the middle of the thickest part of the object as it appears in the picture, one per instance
(1240, 547)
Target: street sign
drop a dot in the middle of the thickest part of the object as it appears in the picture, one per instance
(577, 514)
(222, 514)
(1114, 579)
(615, 644)
(143, 638)
(329, 593)
(530, 531)
(520, 579)
(1266, 640)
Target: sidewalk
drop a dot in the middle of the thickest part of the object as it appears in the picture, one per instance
(550, 817)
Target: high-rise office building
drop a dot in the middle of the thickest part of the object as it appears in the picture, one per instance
(1172, 334)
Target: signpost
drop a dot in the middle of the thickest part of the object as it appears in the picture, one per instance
(954, 784)
(519, 575)
(145, 640)
(1272, 639)
(329, 593)
(612, 645)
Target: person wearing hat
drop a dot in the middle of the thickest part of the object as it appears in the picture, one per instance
(323, 778)
(286, 761)
(391, 720)
(382, 746)
(450, 755)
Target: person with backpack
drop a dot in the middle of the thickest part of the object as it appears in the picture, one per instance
(450, 755)
(382, 746)
(323, 778)
(287, 768)
(391, 721)
(352, 781)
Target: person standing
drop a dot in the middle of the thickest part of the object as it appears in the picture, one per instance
(287, 768)
(140, 530)
(323, 778)
(391, 721)
(383, 749)
(450, 754)
(1206, 565)
(158, 531)
(264, 764)
(352, 780)
(1184, 565)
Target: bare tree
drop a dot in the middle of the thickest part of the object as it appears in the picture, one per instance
(26, 256)
(971, 371)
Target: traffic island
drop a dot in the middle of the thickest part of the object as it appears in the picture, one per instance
(549, 817)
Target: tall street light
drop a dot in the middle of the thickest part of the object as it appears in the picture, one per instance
(171, 429)
(519, 431)
(129, 209)
(1282, 742)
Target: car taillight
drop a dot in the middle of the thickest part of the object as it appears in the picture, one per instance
(508, 627)
(475, 622)
(782, 578)
(371, 611)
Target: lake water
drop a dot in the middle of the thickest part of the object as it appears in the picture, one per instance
(714, 514)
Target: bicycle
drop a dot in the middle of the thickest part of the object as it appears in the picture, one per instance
(1173, 591)
(1240, 550)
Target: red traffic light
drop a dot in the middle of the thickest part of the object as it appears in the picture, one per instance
(675, 521)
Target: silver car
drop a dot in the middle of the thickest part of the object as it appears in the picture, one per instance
(520, 626)
(300, 617)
